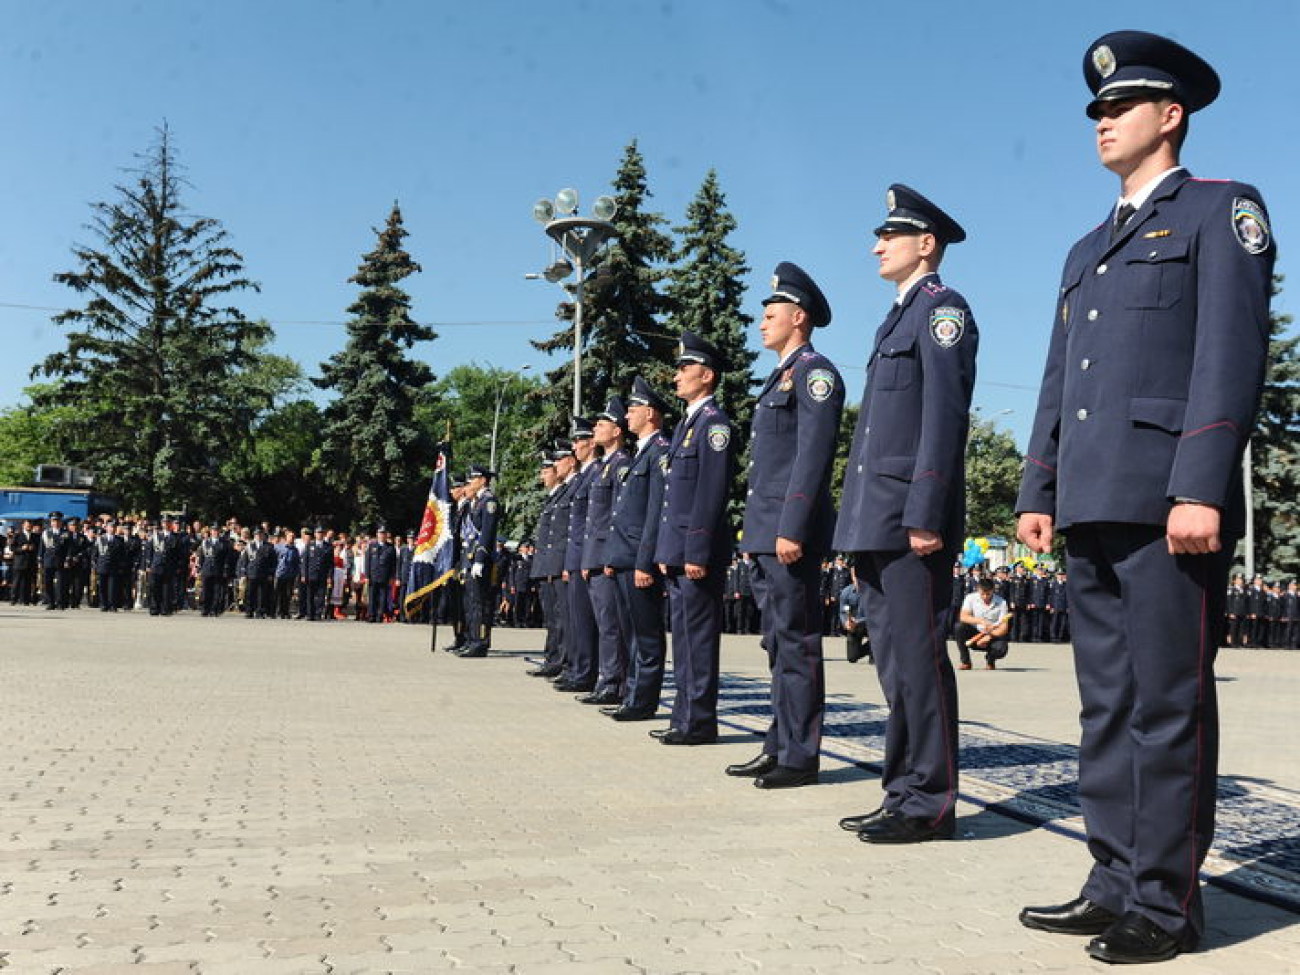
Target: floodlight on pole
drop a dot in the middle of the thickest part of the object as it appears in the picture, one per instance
(580, 238)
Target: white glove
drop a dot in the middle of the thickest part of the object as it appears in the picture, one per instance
(477, 570)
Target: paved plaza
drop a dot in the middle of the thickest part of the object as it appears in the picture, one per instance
(232, 797)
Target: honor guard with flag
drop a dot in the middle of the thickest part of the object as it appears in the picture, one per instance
(903, 514)
(694, 543)
(478, 534)
(432, 564)
(630, 555)
(1154, 375)
(789, 517)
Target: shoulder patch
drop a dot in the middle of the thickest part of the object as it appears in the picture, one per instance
(719, 436)
(1250, 225)
(821, 383)
(947, 325)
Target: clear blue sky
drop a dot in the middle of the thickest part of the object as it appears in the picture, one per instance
(301, 122)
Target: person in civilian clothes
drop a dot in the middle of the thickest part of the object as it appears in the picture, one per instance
(478, 558)
(903, 511)
(24, 544)
(630, 555)
(789, 517)
(1153, 379)
(580, 663)
(694, 543)
(611, 636)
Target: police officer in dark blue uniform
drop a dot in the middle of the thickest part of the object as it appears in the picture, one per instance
(611, 636)
(539, 572)
(580, 640)
(694, 543)
(1149, 395)
(789, 517)
(630, 555)
(478, 558)
(903, 513)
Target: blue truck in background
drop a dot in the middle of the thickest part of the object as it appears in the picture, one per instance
(58, 488)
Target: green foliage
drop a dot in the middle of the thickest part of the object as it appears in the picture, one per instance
(622, 334)
(992, 480)
(465, 401)
(707, 290)
(152, 372)
(31, 435)
(1275, 474)
(378, 458)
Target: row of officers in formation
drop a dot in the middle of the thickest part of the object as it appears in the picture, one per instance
(1154, 373)
(1153, 377)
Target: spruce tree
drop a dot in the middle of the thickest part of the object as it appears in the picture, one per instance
(372, 449)
(1275, 456)
(622, 309)
(707, 291)
(151, 371)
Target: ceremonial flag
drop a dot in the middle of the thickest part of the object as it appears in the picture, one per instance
(431, 565)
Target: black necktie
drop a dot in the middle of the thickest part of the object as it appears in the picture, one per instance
(1122, 215)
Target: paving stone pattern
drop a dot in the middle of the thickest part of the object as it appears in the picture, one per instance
(231, 797)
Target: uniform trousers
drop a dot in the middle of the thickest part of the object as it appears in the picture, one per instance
(211, 594)
(789, 601)
(611, 634)
(52, 582)
(161, 592)
(1146, 627)
(642, 611)
(580, 636)
(546, 596)
(905, 600)
(109, 596)
(695, 606)
(557, 633)
(476, 596)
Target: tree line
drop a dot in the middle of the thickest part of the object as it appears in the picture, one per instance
(168, 392)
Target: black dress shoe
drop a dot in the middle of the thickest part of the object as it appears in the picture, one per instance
(893, 828)
(754, 767)
(1135, 939)
(1079, 916)
(784, 777)
(547, 670)
(855, 824)
(633, 714)
(677, 737)
(473, 652)
(571, 686)
(660, 732)
(603, 697)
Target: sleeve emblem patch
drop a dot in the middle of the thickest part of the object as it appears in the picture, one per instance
(947, 325)
(1250, 225)
(719, 436)
(821, 383)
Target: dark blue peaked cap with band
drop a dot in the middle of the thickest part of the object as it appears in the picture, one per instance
(693, 348)
(1135, 64)
(643, 394)
(791, 283)
(615, 412)
(911, 213)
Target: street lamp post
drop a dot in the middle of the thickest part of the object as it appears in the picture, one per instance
(496, 413)
(580, 238)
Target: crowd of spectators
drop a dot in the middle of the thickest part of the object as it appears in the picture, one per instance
(319, 573)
